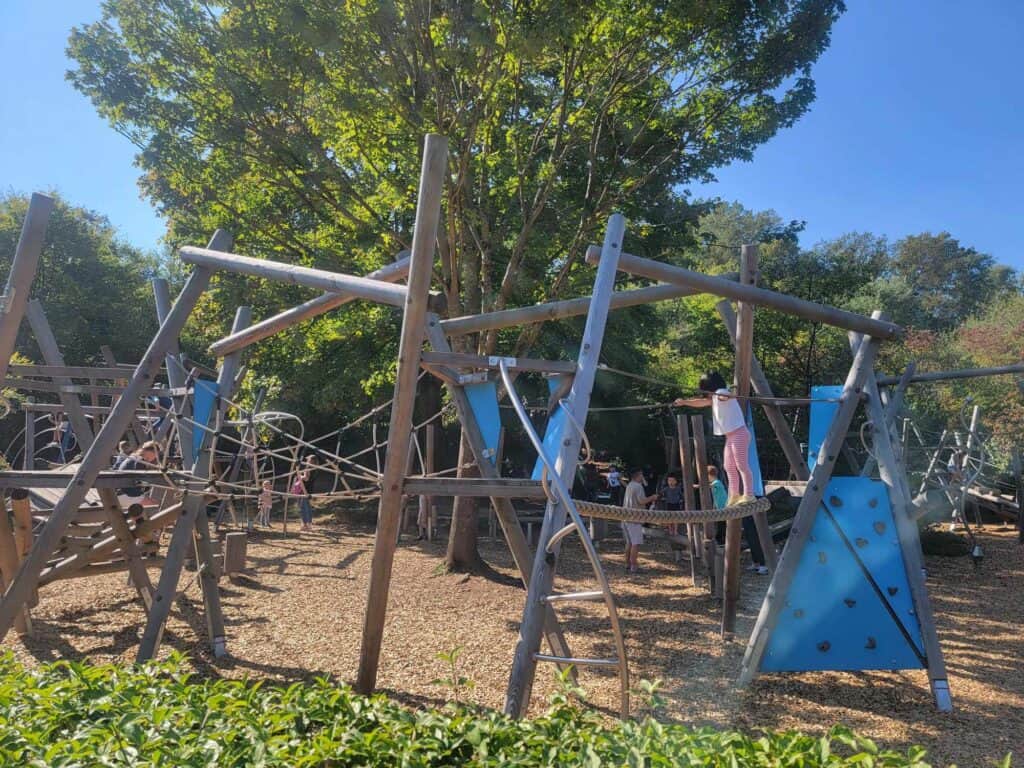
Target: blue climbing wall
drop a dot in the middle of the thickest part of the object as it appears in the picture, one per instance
(821, 418)
(204, 401)
(849, 606)
(553, 433)
(483, 400)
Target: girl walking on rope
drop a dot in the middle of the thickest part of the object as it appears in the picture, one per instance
(728, 420)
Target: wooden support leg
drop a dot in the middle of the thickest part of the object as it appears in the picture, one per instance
(775, 598)
(524, 663)
(9, 566)
(689, 500)
(428, 212)
(700, 456)
(129, 549)
(503, 508)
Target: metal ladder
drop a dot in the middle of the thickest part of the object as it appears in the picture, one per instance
(549, 549)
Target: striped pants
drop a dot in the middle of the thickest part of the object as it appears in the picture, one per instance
(737, 462)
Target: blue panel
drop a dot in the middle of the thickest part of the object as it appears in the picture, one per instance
(822, 416)
(204, 400)
(483, 399)
(755, 462)
(833, 617)
(553, 433)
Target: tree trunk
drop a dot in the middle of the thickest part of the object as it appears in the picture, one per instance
(463, 555)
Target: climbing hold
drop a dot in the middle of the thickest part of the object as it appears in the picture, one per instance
(824, 646)
(873, 503)
(822, 558)
(893, 590)
(861, 542)
(850, 602)
(798, 613)
(879, 527)
(871, 644)
(835, 501)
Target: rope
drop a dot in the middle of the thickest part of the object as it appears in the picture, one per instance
(635, 515)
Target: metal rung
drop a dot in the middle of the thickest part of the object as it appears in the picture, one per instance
(556, 598)
(577, 662)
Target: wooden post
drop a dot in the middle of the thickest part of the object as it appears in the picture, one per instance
(1018, 482)
(933, 462)
(710, 546)
(892, 409)
(689, 501)
(108, 357)
(894, 476)
(775, 598)
(415, 299)
(759, 382)
(503, 508)
(430, 458)
(23, 272)
(9, 566)
(524, 663)
(744, 363)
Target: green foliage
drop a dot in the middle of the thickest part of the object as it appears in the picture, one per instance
(458, 683)
(71, 714)
(297, 125)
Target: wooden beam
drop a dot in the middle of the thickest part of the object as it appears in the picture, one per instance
(509, 488)
(335, 282)
(709, 544)
(783, 302)
(689, 501)
(9, 566)
(415, 299)
(961, 373)
(782, 579)
(23, 272)
(463, 360)
(61, 478)
(72, 371)
(322, 304)
(558, 310)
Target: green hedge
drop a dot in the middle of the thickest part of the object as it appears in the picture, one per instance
(70, 714)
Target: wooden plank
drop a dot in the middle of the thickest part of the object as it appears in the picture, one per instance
(235, 545)
(236, 342)
(782, 579)
(137, 430)
(415, 299)
(28, 459)
(807, 310)
(110, 372)
(42, 385)
(464, 360)
(524, 662)
(110, 478)
(509, 488)
(962, 373)
(23, 272)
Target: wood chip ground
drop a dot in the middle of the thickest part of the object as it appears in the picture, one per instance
(297, 613)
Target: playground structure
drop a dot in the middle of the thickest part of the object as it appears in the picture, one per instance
(842, 596)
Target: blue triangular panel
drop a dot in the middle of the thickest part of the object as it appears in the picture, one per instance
(553, 433)
(822, 416)
(204, 399)
(483, 399)
(755, 462)
(833, 617)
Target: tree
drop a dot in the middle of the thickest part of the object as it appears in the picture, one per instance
(298, 126)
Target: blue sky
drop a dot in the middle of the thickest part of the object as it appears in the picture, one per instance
(917, 126)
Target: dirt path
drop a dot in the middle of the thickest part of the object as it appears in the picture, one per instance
(298, 613)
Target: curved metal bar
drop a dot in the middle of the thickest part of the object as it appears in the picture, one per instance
(588, 545)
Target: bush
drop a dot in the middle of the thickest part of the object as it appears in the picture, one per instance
(71, 714)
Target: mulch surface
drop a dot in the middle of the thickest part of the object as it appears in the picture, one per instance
(297, 613)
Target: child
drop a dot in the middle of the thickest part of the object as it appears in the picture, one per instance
(615, 484)
(672, 496)
(266, 501)
(728, 420)
(635, 498)
(305, 509)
